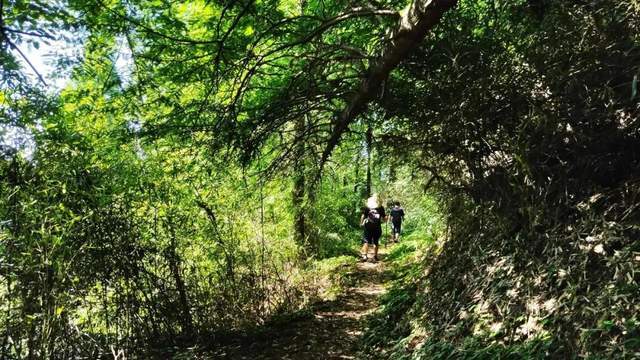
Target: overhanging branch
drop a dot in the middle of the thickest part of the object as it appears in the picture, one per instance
(413, 26)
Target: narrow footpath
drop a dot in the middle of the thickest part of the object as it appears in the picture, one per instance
(334, 330)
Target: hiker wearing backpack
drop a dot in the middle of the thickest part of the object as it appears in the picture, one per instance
(371, 221)
(396, 217)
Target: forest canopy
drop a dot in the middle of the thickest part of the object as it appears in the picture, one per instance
(201, 171)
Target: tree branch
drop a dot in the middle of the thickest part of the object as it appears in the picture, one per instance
(41, 35)
(13, 46)
(329, 23)
(2, 31)
(411, 29)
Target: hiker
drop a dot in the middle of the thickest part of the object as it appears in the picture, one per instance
(396, 217)
(371, 221)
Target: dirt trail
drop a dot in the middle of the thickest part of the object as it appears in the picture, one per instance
(334, 330)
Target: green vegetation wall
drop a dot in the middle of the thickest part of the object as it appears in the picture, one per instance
(183, 194)
(525, 115)
(111, 237)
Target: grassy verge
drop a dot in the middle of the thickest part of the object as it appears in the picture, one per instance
(398, 331)
(391, 324)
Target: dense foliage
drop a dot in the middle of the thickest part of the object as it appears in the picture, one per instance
(526, 118)
(206, 156)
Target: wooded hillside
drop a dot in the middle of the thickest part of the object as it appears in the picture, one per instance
(200, 175)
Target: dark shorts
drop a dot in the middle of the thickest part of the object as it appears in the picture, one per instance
(371, 237)
(396, 227)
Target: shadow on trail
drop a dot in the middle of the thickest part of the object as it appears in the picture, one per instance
(333, 330)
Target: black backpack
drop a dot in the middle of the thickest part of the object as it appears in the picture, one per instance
(373, 219)
(396, 215)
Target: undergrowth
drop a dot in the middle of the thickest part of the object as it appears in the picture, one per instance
(391, 322)
(394, 331)
(563, 291)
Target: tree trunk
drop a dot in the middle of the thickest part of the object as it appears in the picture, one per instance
(357, 188)
(174, 267)
(300, 233)
(392, 171)
(369, 141)
(422, 16)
